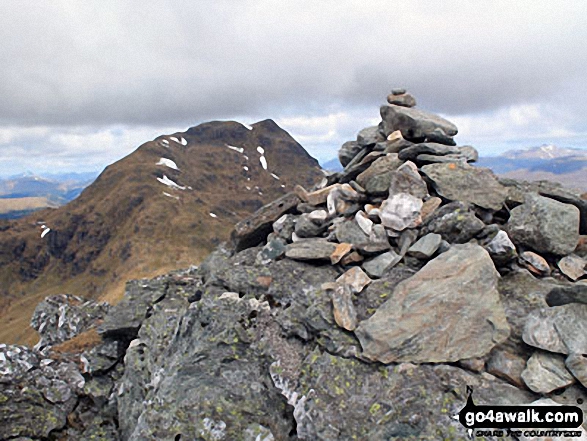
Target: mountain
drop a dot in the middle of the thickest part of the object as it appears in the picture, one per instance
(546, 162)
(376, 307)
(164, 206)
(332, 165)
(23, 194)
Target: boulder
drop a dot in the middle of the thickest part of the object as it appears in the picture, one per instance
(369, 136)
(561, 329)
(454, 222)
(449, 310)
(62, 317)
(465, 183)
(406, 179)
(414, 124)
(348, 151)
(36, 394)
(573, 267)
(546, 372)
(507, 365)
(377, 178)
(544, 225)
(401, 211)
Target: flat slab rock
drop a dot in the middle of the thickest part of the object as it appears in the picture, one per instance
(253, 230)
(561, 329)
(310, 249)
(448, 311)
(465, 183)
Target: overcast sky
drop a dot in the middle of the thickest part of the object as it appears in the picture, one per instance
(83, 84)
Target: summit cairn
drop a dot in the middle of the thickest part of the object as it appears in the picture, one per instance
(361, 308)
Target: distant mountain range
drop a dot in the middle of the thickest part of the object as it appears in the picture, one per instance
(23, 194)
(164, 206)
(546, 162)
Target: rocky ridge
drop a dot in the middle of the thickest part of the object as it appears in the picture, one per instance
(164, 206)
(358, 309)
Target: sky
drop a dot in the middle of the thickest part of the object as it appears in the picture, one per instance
(82, 84)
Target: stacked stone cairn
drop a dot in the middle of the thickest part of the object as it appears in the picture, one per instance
(362, 308)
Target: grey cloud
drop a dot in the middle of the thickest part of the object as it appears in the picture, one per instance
(160, 62)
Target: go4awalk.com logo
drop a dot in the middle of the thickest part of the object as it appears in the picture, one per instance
(531, 421)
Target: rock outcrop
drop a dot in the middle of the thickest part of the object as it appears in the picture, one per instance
(362, 308)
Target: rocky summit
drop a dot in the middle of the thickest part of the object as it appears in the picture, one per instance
(164, 206)
(360, 308)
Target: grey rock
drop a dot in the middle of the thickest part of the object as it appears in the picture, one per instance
(350, 232)
(35, 396)
(306, 227)
(379, 265)
(102, 357)
(546, 372)
(544, 225)
(521, 294)
(124, 319)
(572, 266)
(406, 179)
(273, 250)
(403, 99)
(398, 91)
(355, 278)
(62, 317)
(577, 365)
(561, 329)
(501, 248)
(406, 240)
(470, 153)
(430, 148)
(310, 249)
(377, 178)
(285, 226)
(369, 136)
(414, 124)
(508, 366)
(454, 222)
(564, 294)
(431, 316)
(426, 246)
(439, 136)
(343, 308)
(379, 290)
(465, 183)
(352, 400)
(401, 211)
(253, 230)
(348, 151)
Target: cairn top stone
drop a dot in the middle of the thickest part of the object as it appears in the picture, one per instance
(415, 124)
